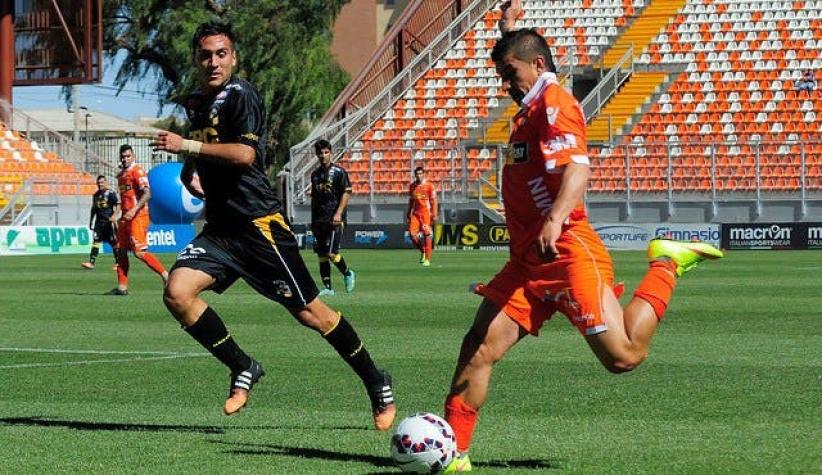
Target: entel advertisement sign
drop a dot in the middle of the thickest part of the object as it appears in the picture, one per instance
(636, 236)
(31, 240)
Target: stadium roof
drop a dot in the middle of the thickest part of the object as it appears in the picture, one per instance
(99, 123)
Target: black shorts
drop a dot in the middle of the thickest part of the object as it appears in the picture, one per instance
(326, 238)
(263, 252)
(105, 231)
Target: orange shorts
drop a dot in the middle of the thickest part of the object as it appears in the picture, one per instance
(133, 234)
(419, 222)
(573, 284)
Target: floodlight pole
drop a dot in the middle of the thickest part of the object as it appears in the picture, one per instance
(87, 115)
(6, 55)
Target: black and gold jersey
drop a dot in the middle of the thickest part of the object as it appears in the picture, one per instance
(234, 115)
(327, 188)
(102, 205)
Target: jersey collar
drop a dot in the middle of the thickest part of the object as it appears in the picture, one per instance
(545, 79)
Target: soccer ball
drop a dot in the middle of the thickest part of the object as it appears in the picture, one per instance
(423, 443)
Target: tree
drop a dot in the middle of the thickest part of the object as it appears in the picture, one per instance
(283, 49)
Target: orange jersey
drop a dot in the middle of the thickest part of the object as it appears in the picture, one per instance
(423, 198)
(547, 133)
(130, 182)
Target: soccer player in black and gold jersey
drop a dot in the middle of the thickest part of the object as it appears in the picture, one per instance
(245, 235)
(102, 221)
(330, 191)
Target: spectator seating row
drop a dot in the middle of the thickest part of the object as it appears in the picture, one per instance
(742, 63)
(22, 159)
(461, 90)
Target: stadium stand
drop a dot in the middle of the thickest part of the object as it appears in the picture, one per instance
(21, 160)
(712, 104)
(735, 107)
(459, 93)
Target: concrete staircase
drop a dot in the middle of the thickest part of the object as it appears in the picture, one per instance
(500, 129)
(624, 105)
(655, 16)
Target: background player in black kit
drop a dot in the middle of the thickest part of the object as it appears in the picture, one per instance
(330, 190)
(103, 221)
(245, 235)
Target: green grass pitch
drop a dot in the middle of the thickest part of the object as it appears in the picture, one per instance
(102, 384)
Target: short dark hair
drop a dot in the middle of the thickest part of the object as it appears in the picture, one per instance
(419, 169)
(125, 147)
(101, 176)
(321, 145)
(212, 28)
(524, 45)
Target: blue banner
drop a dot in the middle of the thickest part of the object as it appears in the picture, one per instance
(167, 237)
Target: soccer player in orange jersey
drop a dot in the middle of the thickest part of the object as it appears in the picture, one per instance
(422, 213)
(132, 228)
(557, 261)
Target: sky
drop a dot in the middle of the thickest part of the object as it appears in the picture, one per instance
(129, 104)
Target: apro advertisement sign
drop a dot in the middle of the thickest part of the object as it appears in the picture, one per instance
(636, 236)
(32, 240)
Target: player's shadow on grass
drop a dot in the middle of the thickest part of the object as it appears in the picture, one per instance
(381, 463)
(304, 452)
(136, 427)
(107, 426)
(533, 464)
(84, 294)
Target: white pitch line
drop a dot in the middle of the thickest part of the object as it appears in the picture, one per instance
(93, 352)
(90, 362)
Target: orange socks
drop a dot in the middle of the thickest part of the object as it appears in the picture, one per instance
(462, 419)
(428, 247)
(658, 285)
(153, 263)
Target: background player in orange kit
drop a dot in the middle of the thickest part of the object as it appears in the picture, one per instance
(132, 229)
(557, 261)
(422, 213)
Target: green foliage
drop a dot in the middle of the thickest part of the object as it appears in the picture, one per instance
(282, 48)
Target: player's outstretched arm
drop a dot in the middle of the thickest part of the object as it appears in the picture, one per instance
(511, 11)
(236, 154)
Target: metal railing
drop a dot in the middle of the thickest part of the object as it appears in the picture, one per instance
(18, 208)
(417, 26)
(608, 86)
(755, 171)
(81, 157)
(301, 155)
(666, 173)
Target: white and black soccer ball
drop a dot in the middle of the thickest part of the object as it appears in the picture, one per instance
(423, 443)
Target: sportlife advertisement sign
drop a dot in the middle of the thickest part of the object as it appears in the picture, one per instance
(636, 236)
(772, 236)
(31, 240)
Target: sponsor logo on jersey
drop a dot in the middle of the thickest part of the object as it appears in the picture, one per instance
(516, 153)
(190, 252)
(282, 289)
